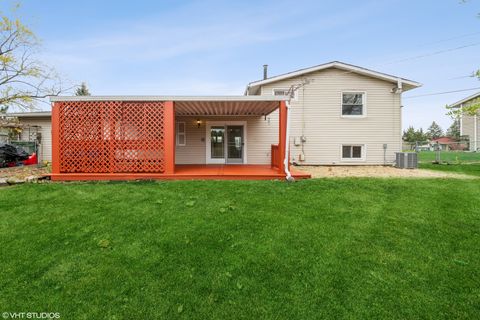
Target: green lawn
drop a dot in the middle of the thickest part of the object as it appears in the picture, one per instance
(346, 248)
(450, 156)
(458, 162)
(464, 168)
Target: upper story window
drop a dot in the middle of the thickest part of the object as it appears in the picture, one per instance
(353, 104)
(284, 92)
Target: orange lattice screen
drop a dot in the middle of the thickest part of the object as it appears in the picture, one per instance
(111, 137)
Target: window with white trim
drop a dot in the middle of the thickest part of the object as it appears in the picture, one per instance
(353, 152)
(181, 136)
(353, 104)
(285, 92)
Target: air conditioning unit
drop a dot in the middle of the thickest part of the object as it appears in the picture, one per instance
(406, 160)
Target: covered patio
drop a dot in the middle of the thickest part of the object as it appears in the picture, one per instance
(136, 137)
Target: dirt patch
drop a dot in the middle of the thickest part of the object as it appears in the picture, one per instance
(24, 172)
(377, 172)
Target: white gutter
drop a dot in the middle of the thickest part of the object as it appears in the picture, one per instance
(288, 175)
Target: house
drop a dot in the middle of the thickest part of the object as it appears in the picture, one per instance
(340, 114)
(469, 124)
(335, 114)
(36, 127)
(444, 144)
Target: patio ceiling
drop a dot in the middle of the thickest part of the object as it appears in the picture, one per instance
(225, 108)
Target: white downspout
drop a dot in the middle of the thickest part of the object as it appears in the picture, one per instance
(461, 120)
(400, 91)
(288, 175)
(475, 128)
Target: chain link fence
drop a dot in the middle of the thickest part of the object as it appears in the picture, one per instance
(466, 151)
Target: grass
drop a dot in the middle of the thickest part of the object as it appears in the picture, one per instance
(450, 156)
(458, 162)
(346, 248)
(470, 168)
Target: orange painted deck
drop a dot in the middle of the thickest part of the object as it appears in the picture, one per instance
(192, 172)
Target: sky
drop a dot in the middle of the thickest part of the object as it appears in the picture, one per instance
(217, 47)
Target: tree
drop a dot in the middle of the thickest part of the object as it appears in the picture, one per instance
(454, 130)
(420, 136)
(413, 135)
(409, 134)
(23, 79)
(473, 106)
(82, 90)
(434, 131)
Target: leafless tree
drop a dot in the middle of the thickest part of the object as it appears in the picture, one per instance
(23, 79)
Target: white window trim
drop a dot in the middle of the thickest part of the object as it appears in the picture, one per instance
(177, 133)
(364, 109)
(364, 152)
(209, 125)
(295, 93)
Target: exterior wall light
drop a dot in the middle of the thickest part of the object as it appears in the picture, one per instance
(199, 123)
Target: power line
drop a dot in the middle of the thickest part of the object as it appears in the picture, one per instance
(450, 39)
(435, 53)
(424, 56)
(441, 93)
(432, 54)
(471, 75)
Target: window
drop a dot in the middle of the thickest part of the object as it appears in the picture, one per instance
(181, 135)
(353, 104)
(352, 152)
(284, 92)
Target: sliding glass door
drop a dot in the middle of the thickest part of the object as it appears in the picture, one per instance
(235, 144)
(225, 143)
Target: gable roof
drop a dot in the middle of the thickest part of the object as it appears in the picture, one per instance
(444, 140)
(253, 87)
(460, 102)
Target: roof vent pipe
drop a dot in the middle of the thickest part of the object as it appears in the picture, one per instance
(265, 71)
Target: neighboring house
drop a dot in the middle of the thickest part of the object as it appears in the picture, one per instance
(470, 124)
(342, 115)
(339, 114)
(37, 126)
(445, 144)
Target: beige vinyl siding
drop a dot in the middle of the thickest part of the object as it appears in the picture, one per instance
(468, 129)
(317, 110)
(260, 135)
(45, 128)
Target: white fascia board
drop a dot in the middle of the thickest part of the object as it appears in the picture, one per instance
(33, 114)
(168, 98)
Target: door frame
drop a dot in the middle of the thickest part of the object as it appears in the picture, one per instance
(208, 140)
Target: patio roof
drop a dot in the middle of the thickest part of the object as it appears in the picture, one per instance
(225, 108)
(200, 105)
